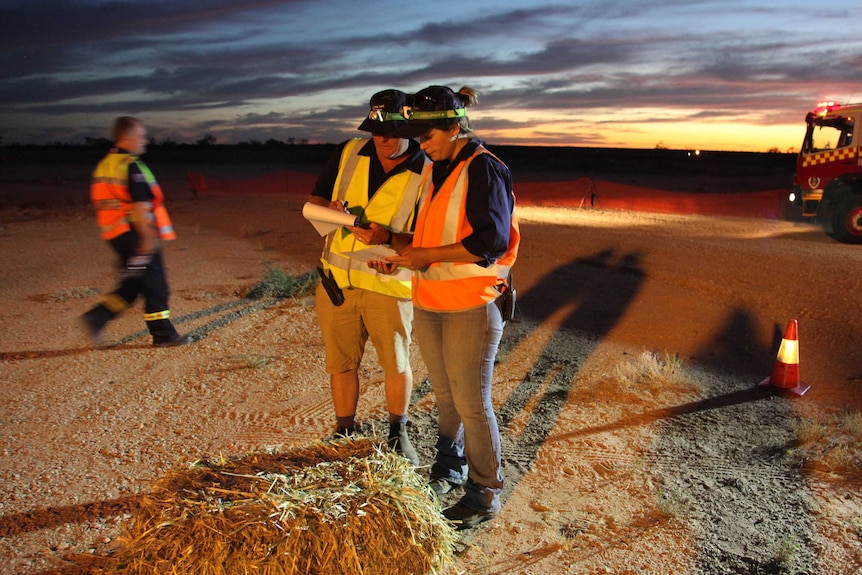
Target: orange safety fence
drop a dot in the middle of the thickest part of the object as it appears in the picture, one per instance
(592, 193)
(278, 182)
(577, 193)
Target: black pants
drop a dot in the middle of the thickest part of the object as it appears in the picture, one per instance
(152, 286)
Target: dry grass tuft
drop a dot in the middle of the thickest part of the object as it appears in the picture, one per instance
(338, 507)
(654, 376)
(831, 441)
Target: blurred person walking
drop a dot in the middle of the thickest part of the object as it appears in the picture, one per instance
(132, 218)
(378, 180)
(465, 242)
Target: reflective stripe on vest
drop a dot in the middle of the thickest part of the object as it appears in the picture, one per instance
(109, 192)
(391, 206)
(442, 220)
(164, 227)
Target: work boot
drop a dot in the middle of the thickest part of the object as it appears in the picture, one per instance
(466, 517)
(400, 443)
(172, 341)
(165, 334)
(94, 322)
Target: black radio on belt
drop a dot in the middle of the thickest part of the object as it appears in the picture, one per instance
(329, 284)
(506, 301)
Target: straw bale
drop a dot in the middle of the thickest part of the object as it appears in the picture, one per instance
(341, 507)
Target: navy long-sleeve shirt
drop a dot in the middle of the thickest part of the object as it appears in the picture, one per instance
(490, 202)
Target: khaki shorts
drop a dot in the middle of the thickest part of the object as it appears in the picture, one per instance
(386, 320)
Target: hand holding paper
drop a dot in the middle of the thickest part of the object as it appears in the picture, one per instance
(325, 220)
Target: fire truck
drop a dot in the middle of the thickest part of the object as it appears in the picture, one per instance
(828, 181)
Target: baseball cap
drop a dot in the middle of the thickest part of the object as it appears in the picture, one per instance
(434, 106)
(384, 117)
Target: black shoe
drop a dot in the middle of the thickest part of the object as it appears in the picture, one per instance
(172, 341)
(94, 331)
(441, 486)
(400, 443)
(465, 517)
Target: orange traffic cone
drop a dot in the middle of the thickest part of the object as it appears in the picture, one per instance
(785, 373)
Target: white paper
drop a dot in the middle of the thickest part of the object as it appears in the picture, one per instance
(376, 253)
(324, 219)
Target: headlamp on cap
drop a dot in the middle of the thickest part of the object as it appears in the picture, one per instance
(384, 117)
(378, 115)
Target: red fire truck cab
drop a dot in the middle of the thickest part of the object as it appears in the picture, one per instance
(828, 180)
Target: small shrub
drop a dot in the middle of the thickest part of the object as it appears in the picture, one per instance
(786, 553)
(279, 284)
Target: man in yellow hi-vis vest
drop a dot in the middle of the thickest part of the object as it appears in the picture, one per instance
(377, 180)
(131, 215)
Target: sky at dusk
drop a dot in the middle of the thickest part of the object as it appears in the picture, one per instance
(733, 75)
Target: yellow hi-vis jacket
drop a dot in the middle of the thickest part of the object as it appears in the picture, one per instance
(391, 206)
(442, 220)
(109, 192)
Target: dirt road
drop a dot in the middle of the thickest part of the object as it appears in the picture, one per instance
(605, 474)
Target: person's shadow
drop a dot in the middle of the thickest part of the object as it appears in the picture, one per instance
(582, 301)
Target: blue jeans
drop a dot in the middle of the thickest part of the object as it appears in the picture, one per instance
(459, 349)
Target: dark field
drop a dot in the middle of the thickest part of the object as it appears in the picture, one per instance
(62, 173)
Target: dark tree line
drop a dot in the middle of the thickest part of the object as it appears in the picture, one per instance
(208, 141)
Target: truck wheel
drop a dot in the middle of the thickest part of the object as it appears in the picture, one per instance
(847, 219)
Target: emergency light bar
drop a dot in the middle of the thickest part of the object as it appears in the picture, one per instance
(824, 107)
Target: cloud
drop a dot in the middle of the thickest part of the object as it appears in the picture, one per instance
(310, 66)
(72, 22)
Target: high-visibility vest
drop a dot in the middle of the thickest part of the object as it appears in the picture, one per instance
(391, 206)
(109, 192)
(442, 220)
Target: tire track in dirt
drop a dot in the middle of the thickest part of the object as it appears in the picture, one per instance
(740, 490)
(235, 310)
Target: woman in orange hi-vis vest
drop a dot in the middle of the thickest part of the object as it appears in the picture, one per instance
(464, 243)
(131, 215)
